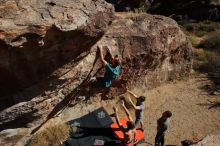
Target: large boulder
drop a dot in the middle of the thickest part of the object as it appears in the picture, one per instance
(37, 37)
(48, 50)
(153, 49)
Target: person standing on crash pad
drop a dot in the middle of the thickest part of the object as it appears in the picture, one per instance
(112, 69)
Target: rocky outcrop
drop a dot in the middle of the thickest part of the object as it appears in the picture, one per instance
(210, 140)
(10, 137)
(48, 49)
(153, 48)
(37, 37)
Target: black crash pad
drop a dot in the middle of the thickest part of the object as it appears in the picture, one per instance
(92, 129)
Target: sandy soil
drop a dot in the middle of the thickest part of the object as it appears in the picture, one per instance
(194, 113)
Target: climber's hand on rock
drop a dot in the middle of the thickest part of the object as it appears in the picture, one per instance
(99, 47)
(115, 109)
(108, 49)
(123, 103)
(129, 99)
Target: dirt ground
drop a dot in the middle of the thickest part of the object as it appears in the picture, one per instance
(195, 113)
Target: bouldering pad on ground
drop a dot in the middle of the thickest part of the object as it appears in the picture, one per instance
(119, 134)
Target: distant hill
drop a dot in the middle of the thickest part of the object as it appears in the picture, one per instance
(177, 9)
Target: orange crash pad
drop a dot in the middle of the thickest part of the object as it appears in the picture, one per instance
(119, 133)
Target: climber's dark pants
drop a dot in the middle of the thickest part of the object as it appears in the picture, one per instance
(159, 139)
(97, 82)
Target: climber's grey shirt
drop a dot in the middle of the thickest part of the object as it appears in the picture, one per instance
(139, 111)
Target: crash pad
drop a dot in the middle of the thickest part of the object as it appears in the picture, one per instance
(119, 133)
(92, 129)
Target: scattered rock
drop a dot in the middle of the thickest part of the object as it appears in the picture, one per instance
(10, 137)
(210, 140)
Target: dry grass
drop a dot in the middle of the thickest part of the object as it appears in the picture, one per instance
(207, 61)
(193, 39)
(51, 136)
(143, 7)
(199, 29)
(211, 42)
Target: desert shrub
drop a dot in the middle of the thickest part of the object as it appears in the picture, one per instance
(190, 27)
(193, 39)
(51, 136)
(207, 61)
(200, 33)
(211, 42)
(143, 7)
(199, 28)
(212, 61)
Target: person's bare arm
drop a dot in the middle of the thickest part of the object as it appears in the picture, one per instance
(126, 111)
(131, 93)
(101, 55)
(132, 104)
(117, 119)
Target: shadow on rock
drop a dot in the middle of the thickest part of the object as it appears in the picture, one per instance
(35, 77)
(21, 121)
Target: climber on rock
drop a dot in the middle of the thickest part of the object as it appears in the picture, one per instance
(139, 108)
(112, 69)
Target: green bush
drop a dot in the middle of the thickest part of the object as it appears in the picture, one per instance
(211, 42)
(190, 27)
(193, 39)
(199, 33)
(199, 29)
(212, 62)
(207, 61)
(143, 7)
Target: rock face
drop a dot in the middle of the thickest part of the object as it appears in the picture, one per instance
(37, 37)
(153, 48)
(56, 41)
(10, 137)
(210, 140)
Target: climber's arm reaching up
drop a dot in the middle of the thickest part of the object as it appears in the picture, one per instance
(101, 55)
(134, 95)
(117, 119)
(131, 93)
(126, 111)
(110, 53)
